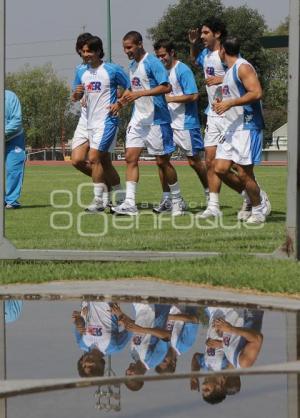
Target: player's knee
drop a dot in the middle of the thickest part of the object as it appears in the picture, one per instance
(220, 170)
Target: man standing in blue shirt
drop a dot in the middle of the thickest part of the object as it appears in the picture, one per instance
(14, 150)
(182, 104)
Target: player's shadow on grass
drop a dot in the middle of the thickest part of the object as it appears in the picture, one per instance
(35, 206)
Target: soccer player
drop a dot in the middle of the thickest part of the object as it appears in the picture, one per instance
(243, 125)
(98, 84)
(14, 150)
(80, 141)
(233, 340)
(182, 104)
(97, 333)
(183, 323)
(150, 123)
(211, 32)
(149, 342)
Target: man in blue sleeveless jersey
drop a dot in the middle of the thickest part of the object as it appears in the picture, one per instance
(182, 104)
(150, 122)
(98, 84)
(14, 150)
(241, 142)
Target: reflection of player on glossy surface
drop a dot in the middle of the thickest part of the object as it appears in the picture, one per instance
(182, 104)
(149, 342)
(98, 84)
(150, 122)
(183, 323)
(12, 310)
(234, 341)
(98, 333)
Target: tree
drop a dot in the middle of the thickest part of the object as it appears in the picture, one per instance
(45, 101)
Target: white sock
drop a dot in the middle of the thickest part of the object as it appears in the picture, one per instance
(246, 196)
(131, 187)
(214, 200)
(106, 198)
(166, 195)
(175, 191)
(99, 188)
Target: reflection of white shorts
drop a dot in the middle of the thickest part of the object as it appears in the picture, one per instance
(81, 134)
(213, 131)
(104, 138)
(242, 147)
(158, 139)
(189, 140)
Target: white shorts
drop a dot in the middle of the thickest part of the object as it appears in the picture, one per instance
(81, 134)
(242, 147)
(213, 131)
(189, 140)
(104, 138)
(158, 139)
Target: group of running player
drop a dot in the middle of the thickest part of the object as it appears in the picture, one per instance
(165, 115)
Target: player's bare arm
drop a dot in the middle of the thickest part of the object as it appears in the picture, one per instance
(184, 318)
(195, 367)
(253, 88)
(157, 332)
(211, 343)
(214, 81)
(194, 39)
(184, 98)
(131, 96)
(78, 93)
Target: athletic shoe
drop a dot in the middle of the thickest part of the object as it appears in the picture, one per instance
(178, 207)
(125, 209)
(245, 211)
(96, 206)
(8, 206)
(209, 212)
(266, 203)
(164, 206)
(256, 218)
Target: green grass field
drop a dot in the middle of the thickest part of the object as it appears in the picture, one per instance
(38, 223)
(30, 227)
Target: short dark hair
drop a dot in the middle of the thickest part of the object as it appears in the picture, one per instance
(81, 40)
(232, 45)
(134, 35)
(134, 385)
(215, 25)
(96, 370)
(164, 43)
(95, 44)
(216, 396)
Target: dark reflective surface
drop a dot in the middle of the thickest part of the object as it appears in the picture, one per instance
(68, 339)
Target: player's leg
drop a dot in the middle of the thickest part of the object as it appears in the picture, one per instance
(134, 146)
(160, 144)
(211, 140)
(14, 169)
(100, 141)
(165, 204)
(79, 158)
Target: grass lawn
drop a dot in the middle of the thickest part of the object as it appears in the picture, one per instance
(31, 227)
(40, 225)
